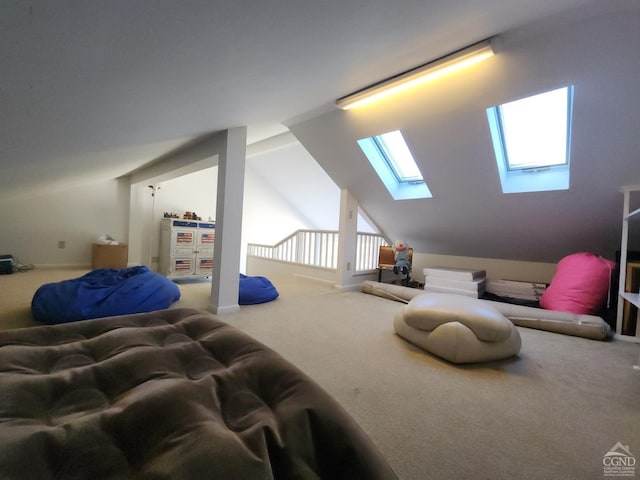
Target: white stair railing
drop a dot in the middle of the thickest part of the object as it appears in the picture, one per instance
(367, 249)
(319, 248)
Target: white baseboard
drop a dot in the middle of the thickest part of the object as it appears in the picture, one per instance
(353, 287)
(63, 265)
(224, 310)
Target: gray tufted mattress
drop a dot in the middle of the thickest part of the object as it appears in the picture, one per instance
(173, 394)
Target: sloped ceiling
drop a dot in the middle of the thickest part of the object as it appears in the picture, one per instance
(446, 128)
(95, 90)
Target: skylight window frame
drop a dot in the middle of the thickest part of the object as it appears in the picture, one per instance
(394, 166)
(400, 188)
(530, 178)
(534, 168)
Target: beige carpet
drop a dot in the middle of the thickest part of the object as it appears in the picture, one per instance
(551, 413)
(17, 291)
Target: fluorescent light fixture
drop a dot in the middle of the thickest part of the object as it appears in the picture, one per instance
(419, 75)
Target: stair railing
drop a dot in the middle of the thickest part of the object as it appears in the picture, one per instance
(319, 248)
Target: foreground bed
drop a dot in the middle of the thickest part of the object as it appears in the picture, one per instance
(172, 394)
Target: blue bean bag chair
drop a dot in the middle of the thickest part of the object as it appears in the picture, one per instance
(255, 290)
(103, 292)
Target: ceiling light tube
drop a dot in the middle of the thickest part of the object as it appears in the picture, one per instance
(419, 75)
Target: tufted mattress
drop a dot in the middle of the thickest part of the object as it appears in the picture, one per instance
(173, 394)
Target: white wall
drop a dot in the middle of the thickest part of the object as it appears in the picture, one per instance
(294, 175)
(195, 192)
(496, 268)
(285, 190)
(267, 216)
(33, 224)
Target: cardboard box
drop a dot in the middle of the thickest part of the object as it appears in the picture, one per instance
(109, 256)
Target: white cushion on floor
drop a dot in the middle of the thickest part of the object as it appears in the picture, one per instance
(427, 311)
(457, 328)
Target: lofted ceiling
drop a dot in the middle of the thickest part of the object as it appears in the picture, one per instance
(94, 90)
(597, 50)
(91, 90)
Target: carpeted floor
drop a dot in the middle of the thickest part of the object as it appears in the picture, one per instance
(550, 413)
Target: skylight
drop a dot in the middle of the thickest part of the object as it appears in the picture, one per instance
(398, 156)
(391, 158)
(531, 139)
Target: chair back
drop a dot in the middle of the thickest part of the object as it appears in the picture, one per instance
(386, 257)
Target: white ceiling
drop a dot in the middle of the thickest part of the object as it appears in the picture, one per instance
(91, 90)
